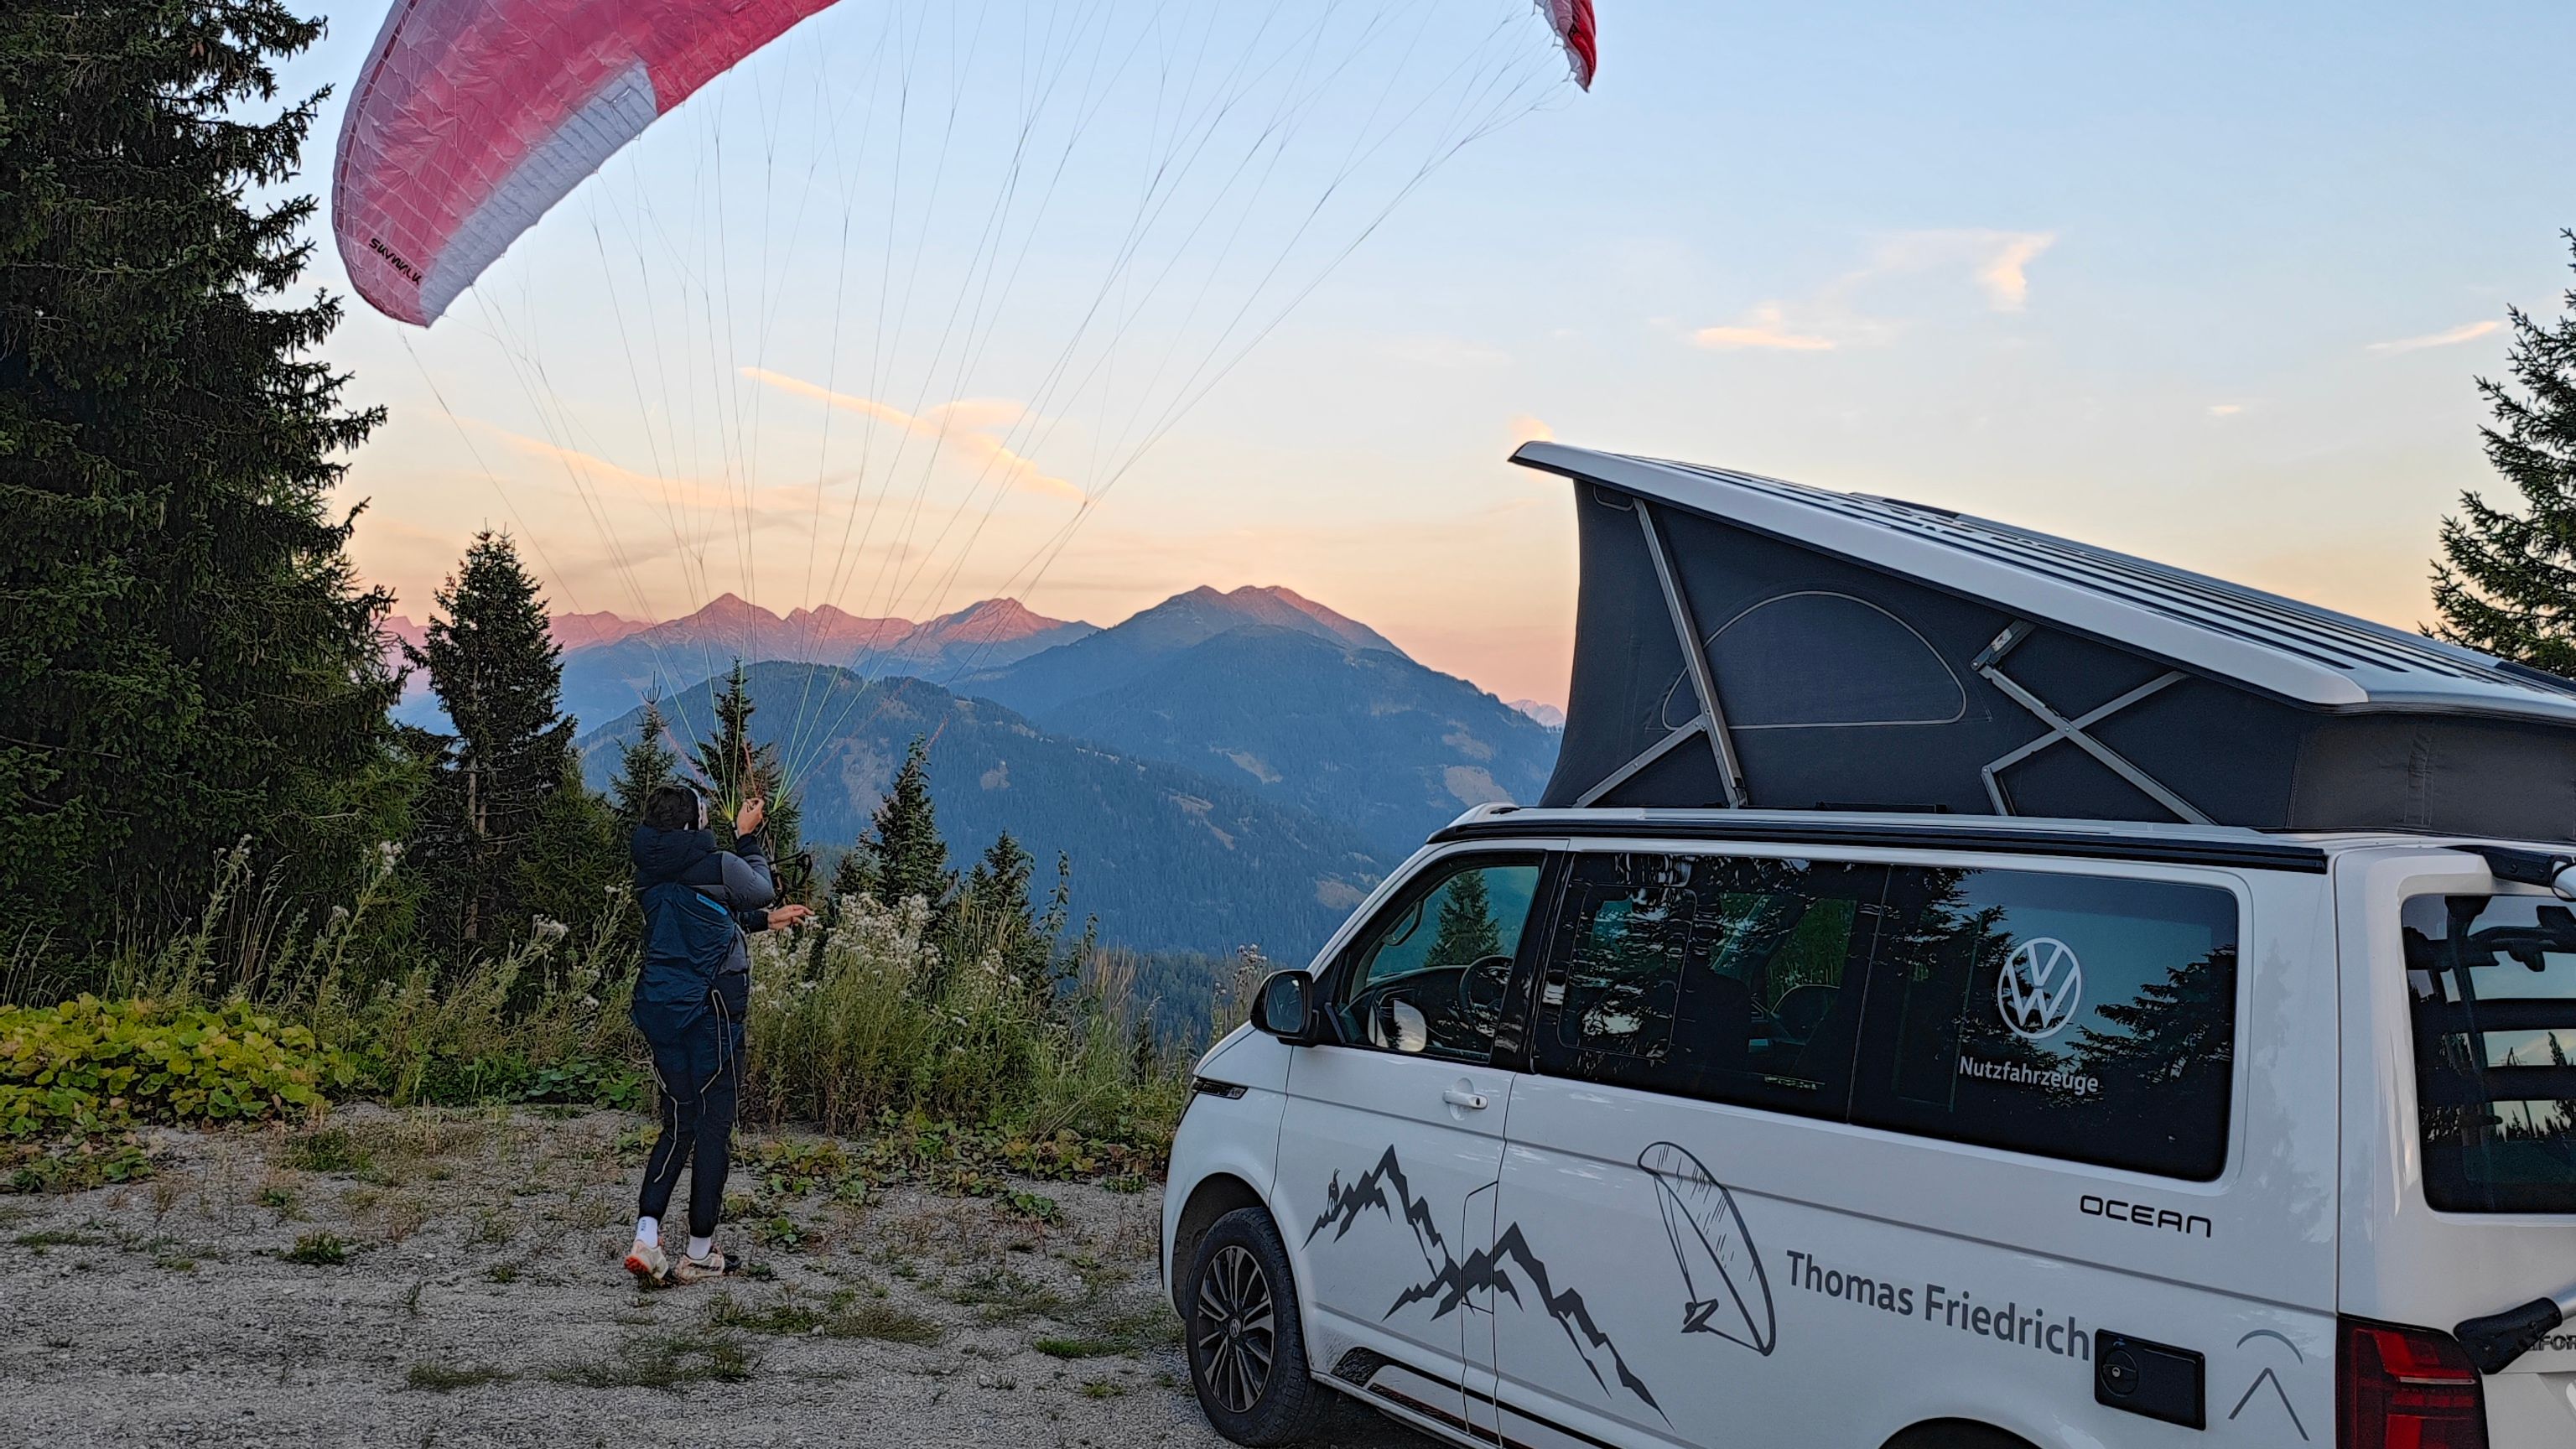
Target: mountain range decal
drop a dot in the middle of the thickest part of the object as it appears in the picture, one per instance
(1451, 1281)
(1343, 1206)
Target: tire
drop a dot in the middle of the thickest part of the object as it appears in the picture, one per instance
(1957, 1434)
(1246, 1342)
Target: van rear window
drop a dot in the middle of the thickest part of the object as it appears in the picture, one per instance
(2493, 985)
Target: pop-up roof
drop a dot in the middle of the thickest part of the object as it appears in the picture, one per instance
(1745, 641)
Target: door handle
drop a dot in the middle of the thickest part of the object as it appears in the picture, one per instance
(1461, 1097)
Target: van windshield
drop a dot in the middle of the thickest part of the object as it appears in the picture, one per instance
(2493, 984)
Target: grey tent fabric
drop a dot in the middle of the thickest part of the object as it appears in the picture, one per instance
(1851, 677)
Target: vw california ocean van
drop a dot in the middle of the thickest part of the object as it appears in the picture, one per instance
(1961, 990)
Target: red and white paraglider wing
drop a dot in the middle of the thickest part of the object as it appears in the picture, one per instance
(472, 118)
(1574, 25)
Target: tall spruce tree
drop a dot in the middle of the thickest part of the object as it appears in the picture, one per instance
(498, 674)
(738, 768)
(644, 765)
(2507, 579)
(186, 656)
(906, 856)
(994, 913)
(1466, 931)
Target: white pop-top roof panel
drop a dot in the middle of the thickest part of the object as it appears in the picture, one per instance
(2297, 651)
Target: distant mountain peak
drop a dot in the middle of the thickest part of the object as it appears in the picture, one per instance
(1280, 608)
(580, 631)
(835, 615)
(1540, 710)
(730, 606)
(996, 621)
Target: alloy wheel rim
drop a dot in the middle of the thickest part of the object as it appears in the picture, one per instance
(1237, 1330)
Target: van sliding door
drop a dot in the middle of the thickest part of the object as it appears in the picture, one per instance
(1636, 1267)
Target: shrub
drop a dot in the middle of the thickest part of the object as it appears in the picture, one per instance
(326, 1150)
(90, 1066)
(319, 1250)
(864, 1019)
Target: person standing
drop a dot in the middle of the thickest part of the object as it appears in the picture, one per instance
(691, 994)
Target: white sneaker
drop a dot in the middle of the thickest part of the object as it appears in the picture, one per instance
(646, 1262)
(699, 1270)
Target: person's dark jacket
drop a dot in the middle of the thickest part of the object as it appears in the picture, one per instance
(698, 904)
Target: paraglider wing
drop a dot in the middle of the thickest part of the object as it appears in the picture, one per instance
(1574, 25)
(472, 118)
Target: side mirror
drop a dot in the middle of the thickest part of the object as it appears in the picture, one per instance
(1285, 1007)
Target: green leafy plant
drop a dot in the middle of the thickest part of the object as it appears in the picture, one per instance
(1036, 1206)
(328, 1150)
(89, 1066)
(319, 1250)
(670, 1362)
(845, 1314)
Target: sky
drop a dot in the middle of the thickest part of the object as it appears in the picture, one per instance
(2210, 284)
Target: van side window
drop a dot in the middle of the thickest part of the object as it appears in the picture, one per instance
(2491, 981)
(2074, 1016)
(1729, 979)
(1429, 974)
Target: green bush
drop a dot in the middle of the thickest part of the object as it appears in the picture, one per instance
(866, 1019)
(89, 1066)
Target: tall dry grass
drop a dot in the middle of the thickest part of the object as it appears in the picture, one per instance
(849, 1023)
(868, 1017)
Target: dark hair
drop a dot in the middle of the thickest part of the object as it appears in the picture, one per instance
(672, 807)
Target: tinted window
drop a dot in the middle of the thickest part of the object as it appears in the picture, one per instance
(2493, 982)
(1715, 977)
(1428, 975)
(2074, 1016)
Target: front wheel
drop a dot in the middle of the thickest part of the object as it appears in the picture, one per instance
(1247, 1345)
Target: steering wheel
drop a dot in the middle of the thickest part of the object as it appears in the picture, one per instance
(1481, 984)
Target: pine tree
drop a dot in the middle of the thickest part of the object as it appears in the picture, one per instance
(576, 857)
(498, 674)
(995, 913)
(738, 768)
(186, 657)
(2507, 582)
(855, 875)
(644, 765)
(1466, 932)
(909, 858)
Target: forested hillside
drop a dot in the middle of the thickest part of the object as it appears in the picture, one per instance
(1168, 858)
(1285, 698)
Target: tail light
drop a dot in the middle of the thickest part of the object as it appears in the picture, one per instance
(2405, 1388)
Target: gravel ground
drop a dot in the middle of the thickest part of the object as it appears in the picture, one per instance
(477, 1300)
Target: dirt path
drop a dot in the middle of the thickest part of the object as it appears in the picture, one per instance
(452, 1279)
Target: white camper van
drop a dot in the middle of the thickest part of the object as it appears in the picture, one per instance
(1962, 990)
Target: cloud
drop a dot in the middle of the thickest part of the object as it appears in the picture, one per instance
(1996, 263)
(598, 474)
(964, 427)
(2004, 274)
(2225, 410)
(2465, 332)
(1765, 327)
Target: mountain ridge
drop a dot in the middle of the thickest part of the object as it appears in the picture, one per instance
(1168, 858)
(1363, 735)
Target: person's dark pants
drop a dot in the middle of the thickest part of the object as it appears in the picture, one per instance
(700, 1076)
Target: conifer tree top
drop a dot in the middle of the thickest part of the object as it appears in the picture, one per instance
(2506, 581)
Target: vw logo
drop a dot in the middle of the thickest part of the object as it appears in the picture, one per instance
(2041, 985)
